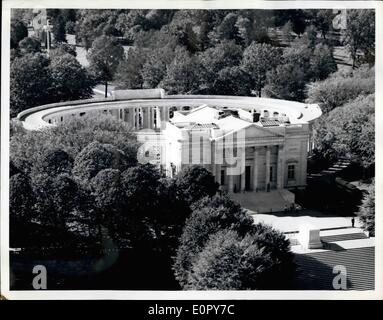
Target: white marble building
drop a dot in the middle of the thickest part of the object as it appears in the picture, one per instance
(257, 145)
(247, 151)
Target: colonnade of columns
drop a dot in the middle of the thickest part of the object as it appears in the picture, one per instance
(143, 117)
(254, 172)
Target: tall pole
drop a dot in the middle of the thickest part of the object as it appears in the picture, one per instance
(47, 28)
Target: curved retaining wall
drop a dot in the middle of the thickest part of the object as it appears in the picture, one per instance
(145, 109)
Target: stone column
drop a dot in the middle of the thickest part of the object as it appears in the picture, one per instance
(115, 113)
(147, 118)
(255, 170)
(231, 182)
(267, 181)
(137, 118)
(157, 111)
(144, 117)
(218, 177)
(131, 117)
(243, 169)
(159, 118)
(166, 113)
(150, 112)
(280, 165)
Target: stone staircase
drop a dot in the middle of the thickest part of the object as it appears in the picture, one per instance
(315, 268)
(334, 170)
(264, 202)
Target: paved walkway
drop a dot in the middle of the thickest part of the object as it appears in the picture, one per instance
(290, 222)
(261, 201)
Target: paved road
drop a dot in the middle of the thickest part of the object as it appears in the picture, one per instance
(291, 221)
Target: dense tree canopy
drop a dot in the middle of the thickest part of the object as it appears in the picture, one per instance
(257, 60)
(194, 183)
(96, 157)
(366, 211)
(221, 248)
(104, 57)
(72, 135)
(29, 45)
(19, 31)
(70, 81)
(287, 82)
(183, 74)
(63, 48)
(29, 82)
(21, 198)
(129, 71)
(231, 262)
(209, 215)
(341, 88)
(360, 34)
(58, 29)
(37, 79)
(349, 131)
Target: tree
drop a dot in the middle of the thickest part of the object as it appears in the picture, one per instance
(93, 23)
(70, 81)
(72, 135)
(30, 81)
(288, 31)
(96, 157)
(225, 54)
(70, 27)
(183, 74)
(195, 182)
(56, 199)
(182, 29)
(131, 20)
(360, 34)
(21, 198)
(298, 19)
(104, 58)
(107, 192)
(257, 60)
(63, 48)
(349, 131)
(287, 81)
(227, 29)
(29, 45)
(339, 88)
(139, 221)
(52, 162)
(209, 216)
(219, 214)
(322, 20)
(232, 81)
(129, 74)
(366, 213)
(300, 57)
(310, 37)
(77, 133)
(140, 184)
(229, 262)
(153, 71)
(322, 62)
(244, 28)
(19, 31)
(58, 29)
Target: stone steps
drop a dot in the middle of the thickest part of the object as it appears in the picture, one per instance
(315, 270)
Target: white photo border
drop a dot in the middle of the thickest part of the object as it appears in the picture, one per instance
(7, 5)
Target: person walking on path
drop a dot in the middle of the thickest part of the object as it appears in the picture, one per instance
(353, 222)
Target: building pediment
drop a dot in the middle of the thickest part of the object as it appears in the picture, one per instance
(251, 132)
